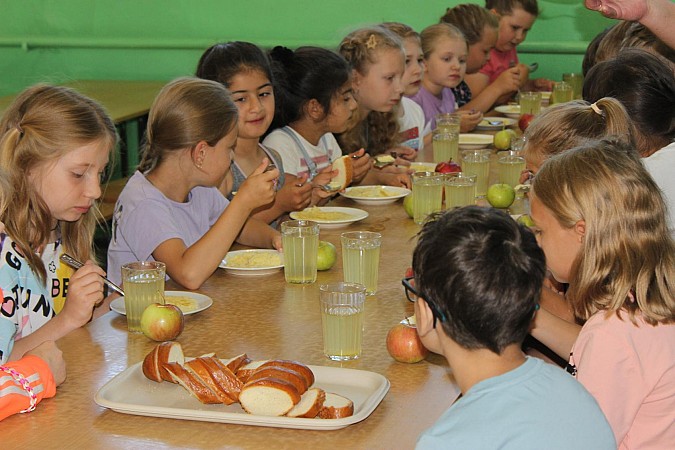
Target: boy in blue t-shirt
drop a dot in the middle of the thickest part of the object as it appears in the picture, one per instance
(478, 276)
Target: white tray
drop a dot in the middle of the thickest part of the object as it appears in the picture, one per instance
(131, 393)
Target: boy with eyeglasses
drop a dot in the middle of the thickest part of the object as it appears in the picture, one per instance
(478, 275)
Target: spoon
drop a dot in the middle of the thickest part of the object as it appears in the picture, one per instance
(75, 264)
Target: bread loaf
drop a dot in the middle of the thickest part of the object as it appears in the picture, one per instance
(266, 371)
(345, 170)
(246, 370)
(225, 378)
(202, 371)
(150, 366)
(193, 385)
(293, 365)
(235, 363)
(310, 404)
(268, 397)
(163, 354)
(336, 407)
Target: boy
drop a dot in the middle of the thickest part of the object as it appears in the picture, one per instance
(478, 276)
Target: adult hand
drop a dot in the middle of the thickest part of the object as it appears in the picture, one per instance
(619, 9)
(50, 353)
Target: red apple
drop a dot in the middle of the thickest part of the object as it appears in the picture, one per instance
(404, 344)
(524, 121)
(447, 167)
(162, 322)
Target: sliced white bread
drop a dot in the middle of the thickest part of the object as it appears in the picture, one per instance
(336, 407)
(310, 404)
(192, 384)
(268, 397)
(299, 367)
(150, 366)
(345, 170)
(246, 370)
(169, 352)
(226, 380)
(293, 377)
(200, 370)
(235, 363)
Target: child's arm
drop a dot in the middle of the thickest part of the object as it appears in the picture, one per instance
(389, 176)
(477, 82)
(294, 195)
(257, 233)
(191, 266)
(361, 164)
(557, 334)
(499, 91)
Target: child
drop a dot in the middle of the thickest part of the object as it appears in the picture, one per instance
(625, 35)
(410, 115)
(516, 17)
(645, 85)
(476, 308)
(54, 147)
(244, 69)
(480, 28)
(445, 52)
(316, 101)
(601, 221)
(171, 210)
(377, 60)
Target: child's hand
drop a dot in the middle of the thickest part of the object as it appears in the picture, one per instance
(50, 353)
(295, 195)
(403, 154)
(276, 242)
(542, 84)
(469, 120)
(258, 189)
(361, 163)
(395, 176)
(508, 81)
(85, 291)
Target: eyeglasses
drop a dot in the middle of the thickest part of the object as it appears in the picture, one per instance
(412, 295)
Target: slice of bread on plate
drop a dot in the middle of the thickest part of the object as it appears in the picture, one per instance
(268, 397)
(336, 407)
(310, 404)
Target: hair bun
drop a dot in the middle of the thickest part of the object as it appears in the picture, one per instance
(282, 54)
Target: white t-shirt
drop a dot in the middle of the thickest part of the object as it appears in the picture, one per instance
(411, 124)
(661, 166)
(323, 154)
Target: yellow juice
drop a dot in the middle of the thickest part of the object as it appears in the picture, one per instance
(460, 193)
(300, 257)
(427, 197)
(530, 103)
(342, 331)
(478, 163)
(446, 127)
(139, 292)
(445, 147)
(510, 168)
(360, 264)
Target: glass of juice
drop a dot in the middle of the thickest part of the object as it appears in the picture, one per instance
(576, 80)
(448, 122)
(427, 192)
(342, 319)
(300, 240)
(478, 163)
(143, 283)
(530, 103)
(562, 93)
(460, 189)
(361, 258)
(510, 165)
(445, 146)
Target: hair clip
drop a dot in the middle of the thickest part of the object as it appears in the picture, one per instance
(372, 42)
(597, 110)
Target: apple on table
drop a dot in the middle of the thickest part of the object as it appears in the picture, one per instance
(404, 344)
(162, 322)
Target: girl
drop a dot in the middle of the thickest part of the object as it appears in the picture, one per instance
(377, 60)
(601, 221)
(480, 28)
(171, 210)
(54, 146)
(244, 69)
(445, 54)
(316, 101)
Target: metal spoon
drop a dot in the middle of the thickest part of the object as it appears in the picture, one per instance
(75, 264)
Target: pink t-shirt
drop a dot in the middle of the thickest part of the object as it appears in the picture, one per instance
(499, 62)
(630, 370)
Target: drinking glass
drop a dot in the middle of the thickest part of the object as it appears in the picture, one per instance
(445, 146)
(460, 189)
(576, 80)
(530, 103)
(300, 239)
(448, 122)
(427, 192)
(143, 284)
(342, 319)
(509, 166)
(562, 93)
(477, 162)
(361, 258)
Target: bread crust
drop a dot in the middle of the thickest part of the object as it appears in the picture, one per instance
(272, 371)
(345, 170)
(310, 404)
(336, 407)
(193, 385)
(299, 367)
(263, 390)
(150, 367)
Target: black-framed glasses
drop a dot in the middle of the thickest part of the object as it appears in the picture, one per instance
(412, 295)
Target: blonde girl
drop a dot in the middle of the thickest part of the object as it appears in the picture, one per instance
(171, 209)
(601, 221)
(445, 55)
(54, 147)
(245, 70)
(377, 60)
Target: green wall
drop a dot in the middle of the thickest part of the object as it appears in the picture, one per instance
(55, 41)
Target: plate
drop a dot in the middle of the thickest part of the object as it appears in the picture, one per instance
(423, 166)
(470, 141)
(131, 393)
(512, 111)
(393, 193)
(357, 214)
(485, 124)
(251, 271)
(203, 302)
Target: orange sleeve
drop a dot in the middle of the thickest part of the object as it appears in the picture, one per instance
(13, 396)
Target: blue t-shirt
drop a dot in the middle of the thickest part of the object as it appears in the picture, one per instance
(535, 406)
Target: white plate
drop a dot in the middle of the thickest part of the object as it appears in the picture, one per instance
(470, 141)
(131, 393)
(393, 194)
(512, 111)
(203, 302)
(423, 166)
(484, 124)
(357, 214)
(252, 271)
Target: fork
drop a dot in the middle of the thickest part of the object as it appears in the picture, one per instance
(75, 264)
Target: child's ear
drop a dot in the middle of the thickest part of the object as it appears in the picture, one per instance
(580, 229)
(424, 318)
(314, 109)
(356, 79)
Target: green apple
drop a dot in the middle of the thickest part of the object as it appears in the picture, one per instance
(326, 256)
(526, 220)
(501, 195)
(408, 204)
(502, 139)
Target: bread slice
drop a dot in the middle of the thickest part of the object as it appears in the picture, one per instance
(345, 170)
(169, 352)
(336, 407)
(192, 384)
(202, 371)
(246, 370)
(268, 397)
(225, 379)
(310, 404)
(150, 367)
(235, 363)
(293, 377)
(299, 367)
